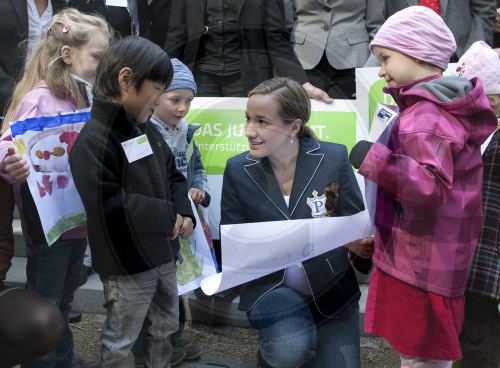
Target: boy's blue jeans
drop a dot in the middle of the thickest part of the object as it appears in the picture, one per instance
(289, 336)
(148, 297)
(54, 272)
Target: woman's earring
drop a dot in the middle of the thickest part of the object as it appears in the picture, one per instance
(291, 140)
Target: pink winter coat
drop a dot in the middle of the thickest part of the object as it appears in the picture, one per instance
(429, 213)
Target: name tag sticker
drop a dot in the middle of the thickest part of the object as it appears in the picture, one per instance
(385, 113)
(137, 148)
(122, 3)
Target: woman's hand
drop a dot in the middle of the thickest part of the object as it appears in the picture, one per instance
(363, 248)
(16, 166)
(197, 195)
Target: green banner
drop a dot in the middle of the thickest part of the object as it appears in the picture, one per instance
(222, 132)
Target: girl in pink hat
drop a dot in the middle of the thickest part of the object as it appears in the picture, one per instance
(429, 176)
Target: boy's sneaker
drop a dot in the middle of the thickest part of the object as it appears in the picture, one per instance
(178, 355)
(75, 316)
(193, 351)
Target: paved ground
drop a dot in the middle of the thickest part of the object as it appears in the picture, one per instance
(226, 346)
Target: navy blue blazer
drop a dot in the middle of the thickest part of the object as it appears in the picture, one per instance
(250, 193)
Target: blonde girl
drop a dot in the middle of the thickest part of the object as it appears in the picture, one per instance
(58, 78)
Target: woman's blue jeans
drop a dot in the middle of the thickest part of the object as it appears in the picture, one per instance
(289, 336)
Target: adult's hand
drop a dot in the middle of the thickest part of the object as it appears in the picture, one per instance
(16, 166)
(316, 93)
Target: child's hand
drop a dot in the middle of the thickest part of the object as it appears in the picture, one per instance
(197, 195)
(16, 166)
(187, 228)
(175, 231)
(362, 247)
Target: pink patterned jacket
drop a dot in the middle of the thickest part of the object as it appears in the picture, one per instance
(429, 213)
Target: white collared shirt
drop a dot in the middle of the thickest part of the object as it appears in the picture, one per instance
(37, 25)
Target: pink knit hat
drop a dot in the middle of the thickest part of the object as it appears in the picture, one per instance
(481, 61)
(419, 32)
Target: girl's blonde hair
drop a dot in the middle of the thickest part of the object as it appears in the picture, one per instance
(69, 27)
(293, 99)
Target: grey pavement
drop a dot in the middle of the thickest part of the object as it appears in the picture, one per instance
(89, 299)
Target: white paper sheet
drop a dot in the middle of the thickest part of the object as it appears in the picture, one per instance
(45, 143)
(251, 251)
(198, 262)
(380, 130)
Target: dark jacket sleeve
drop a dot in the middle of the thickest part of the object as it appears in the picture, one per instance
(179, 189)
(232, 212)
(199, 179)
(280, 49)
(176, 40)
(144, 19)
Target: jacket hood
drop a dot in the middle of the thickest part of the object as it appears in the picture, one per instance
(463, 99)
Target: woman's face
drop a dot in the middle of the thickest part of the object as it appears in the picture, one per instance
(267, 133)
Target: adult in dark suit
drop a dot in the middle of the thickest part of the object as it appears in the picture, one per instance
(160, 13)
(469, 21)
(13, 43)
(126, 21)
(233, 45)
(305, 314)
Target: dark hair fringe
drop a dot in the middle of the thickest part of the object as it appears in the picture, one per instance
(147, 61)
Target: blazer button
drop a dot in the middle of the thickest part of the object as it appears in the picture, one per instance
(327, 9)
(326, 28)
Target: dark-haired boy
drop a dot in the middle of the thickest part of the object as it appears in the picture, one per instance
(136, 202)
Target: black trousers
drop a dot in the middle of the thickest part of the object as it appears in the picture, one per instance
(337, 83)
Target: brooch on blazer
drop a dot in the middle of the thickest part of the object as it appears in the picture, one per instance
(324, 205)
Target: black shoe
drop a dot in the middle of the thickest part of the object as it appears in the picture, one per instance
(86, 271)
(75, 316)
